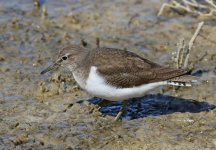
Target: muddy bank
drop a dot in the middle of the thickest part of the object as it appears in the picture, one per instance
(51, 112)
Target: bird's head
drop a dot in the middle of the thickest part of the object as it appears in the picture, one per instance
(68, 57)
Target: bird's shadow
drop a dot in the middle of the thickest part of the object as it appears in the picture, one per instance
(151, 105)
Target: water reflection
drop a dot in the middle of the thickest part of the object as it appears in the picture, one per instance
(152, 105)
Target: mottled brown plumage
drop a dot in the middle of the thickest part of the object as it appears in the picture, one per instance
(126, 69)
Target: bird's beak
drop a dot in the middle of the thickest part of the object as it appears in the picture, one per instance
(51, 67)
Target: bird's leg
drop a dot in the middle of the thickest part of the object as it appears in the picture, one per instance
(102, 102)
(124, 105)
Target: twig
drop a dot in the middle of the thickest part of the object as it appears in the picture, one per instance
(98, 42)
(182, 56)
(163, 7)
(179, 55)
(190, 44)
(206, 8)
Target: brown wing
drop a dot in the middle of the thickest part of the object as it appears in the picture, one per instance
(126, 69)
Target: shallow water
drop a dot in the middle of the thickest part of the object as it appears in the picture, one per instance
(51, 112)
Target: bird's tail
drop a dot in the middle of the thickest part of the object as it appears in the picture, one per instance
(185, 80)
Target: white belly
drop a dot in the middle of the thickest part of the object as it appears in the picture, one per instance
(97, 86)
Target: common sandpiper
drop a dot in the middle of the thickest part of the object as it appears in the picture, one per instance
(117, 75)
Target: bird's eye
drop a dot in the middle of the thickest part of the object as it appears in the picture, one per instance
(64, 57)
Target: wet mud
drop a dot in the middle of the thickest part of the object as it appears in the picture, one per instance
(52, 112)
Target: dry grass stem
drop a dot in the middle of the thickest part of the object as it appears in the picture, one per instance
(183, 52)
(180, 57)
(98, 42)
(190, 44)
(201, 8)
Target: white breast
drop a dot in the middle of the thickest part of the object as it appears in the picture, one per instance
(97, 86)
(79, 79)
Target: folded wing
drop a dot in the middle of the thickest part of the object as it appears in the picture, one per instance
(126, 69)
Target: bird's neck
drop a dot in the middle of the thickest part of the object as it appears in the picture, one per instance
(79, 60)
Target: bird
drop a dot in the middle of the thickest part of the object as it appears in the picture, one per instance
(117, 75)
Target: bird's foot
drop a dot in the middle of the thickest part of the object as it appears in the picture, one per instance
(121, 112)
